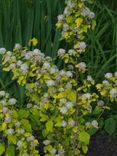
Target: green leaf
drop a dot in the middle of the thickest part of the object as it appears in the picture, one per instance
(2, 148)
(23, 113)
(84, 137)
(92, 131)
(49, 126)
(12, 139)
(26, 124)
(85, 149)
(10, 150)
(110, 126)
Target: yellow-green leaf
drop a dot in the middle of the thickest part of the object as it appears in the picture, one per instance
(2, 148)
(84, 137)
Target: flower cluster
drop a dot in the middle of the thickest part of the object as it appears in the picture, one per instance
(60, 99)
(108, 88)
(14, 129)
(75, 21)
(54, 93)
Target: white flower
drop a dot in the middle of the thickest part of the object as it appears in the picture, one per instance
(20, 143)
(5, 109)
(65, 27)
(89, 78)
(7, 119)
(69, 74)
(12, 101)
(105, 82)
(19, 63)
(46, 65)
(13, 57)
(18, 46)
(22, 131)
(82, 65)
(91, 15)
(61, 89)
(70, 67)
(100, 103)
(30, 138)
(46, 142)
(63, 100)
(113, 92)
(89, 108)
(36, 52)
(24, 67)
(53, 70)
(50, 83)
(67, 11)
(64, 123)
(87, 12)
(63, 110)
(108, 75)
(88, 124)
(10, 131)
(71, 123)
(60, 18)
(7, 58)
(76, 29)
(68, 85)
(53, 151)
(94, 123)
(71, 51)
(46, 95)
(115, 74)
(71, 3)
(62, 73)
(69, 104)
(3, 102)
(12, 66)
(86, 96)
(42, 55)
(82, 45)
(29, 105)
(2, 93)
(35, 106)
(7, 95)
(61, 52)
(2, 50)
(17, 124)
(28, 55)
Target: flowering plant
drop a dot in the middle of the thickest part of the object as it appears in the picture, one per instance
(15, 129)
(59, 100)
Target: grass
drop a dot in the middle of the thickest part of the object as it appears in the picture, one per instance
(101, 55)
(20, 20)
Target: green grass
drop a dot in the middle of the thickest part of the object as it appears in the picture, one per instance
(20, 20)
(101, 55)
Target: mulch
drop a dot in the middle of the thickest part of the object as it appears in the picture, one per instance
(103, 145)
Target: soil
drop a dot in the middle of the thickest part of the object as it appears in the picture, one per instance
(103, 145)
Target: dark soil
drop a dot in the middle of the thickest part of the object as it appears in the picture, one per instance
(103, 145)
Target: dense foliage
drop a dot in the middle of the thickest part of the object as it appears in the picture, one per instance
(63, 106)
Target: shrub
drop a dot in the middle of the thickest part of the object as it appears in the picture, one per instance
(59, 100)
